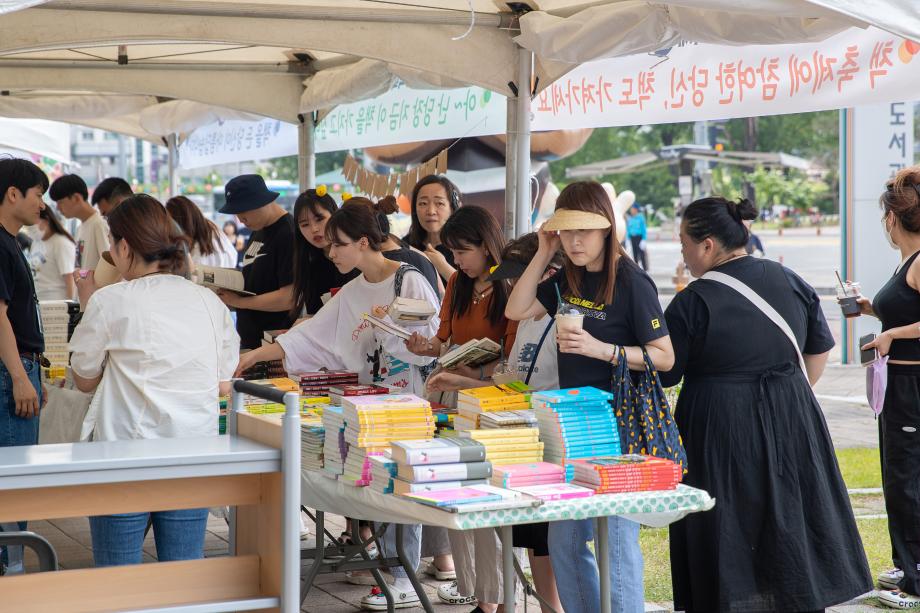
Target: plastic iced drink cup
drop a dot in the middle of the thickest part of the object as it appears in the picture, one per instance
(568, 318)
(848, 299)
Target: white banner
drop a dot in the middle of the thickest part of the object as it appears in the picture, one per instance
(698, 82)
(226, 142)
(879, 142)
(694, 82)
(404, 115)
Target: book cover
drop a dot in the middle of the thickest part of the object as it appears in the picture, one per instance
(389, 328)
(507, 434)
(455, 496)
(221, 278)
(471, 353)
(438, 451)
(530, 469)
(556, 491)
(490, 395)
(445, 472)
(570, 395)
(508, 503)
(401, 486)
(383, 401)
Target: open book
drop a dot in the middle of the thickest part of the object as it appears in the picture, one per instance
(472, 353)
(387, 327)
(221, 278)
(411, 310)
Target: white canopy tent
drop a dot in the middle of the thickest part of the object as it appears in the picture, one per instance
(288, 58)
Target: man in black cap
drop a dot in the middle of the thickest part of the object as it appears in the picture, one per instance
(268, 261)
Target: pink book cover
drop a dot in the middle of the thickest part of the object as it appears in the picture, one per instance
(531, 469)
(452, 496)
(532, 480)
(556, 491)
(389, 401)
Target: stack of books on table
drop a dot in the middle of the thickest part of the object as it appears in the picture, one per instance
(470, 498)
(373, 423)
(472, 403)
(556, 491)
(452, 462)
(444, 416)
(337, 393)
(576, 423)
(58, 322)
(508, 445)
(334, 446)
(525, 474)
(258, 406)
(272, 369)
(383, 472)
(312, 441)
(508, 419)
(318, 383)
(626, 473)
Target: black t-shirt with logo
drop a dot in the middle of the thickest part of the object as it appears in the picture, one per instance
(268, 265)
(634, 318)
(17, 290)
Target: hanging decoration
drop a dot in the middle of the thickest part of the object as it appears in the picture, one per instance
(390, 184)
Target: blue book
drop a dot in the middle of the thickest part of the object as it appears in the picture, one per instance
(570, 395)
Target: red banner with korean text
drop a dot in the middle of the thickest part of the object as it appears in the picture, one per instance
(699, 81)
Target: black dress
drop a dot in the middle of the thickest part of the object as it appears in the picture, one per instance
(782, 536)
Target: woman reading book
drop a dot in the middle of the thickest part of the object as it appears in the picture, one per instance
(532, 359)
(155, 374)
(618, 304)
(339, 337)
(473, 308)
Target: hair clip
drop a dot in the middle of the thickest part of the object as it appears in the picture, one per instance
(321, 190)
(346, 196)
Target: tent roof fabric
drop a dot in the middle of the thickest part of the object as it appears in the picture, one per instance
(283, 58)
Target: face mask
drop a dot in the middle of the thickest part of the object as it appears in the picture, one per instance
(888, 234)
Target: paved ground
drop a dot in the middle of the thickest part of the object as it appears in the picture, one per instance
(841, 393)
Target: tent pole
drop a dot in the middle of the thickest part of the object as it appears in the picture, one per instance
(173, 162)
(306, 152)
(523, 192)
(510, 169)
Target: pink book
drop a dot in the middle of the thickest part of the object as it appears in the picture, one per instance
(556, 491)
(460, 495)
(532, 469)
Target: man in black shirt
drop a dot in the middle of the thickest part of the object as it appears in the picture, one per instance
(268, 261)
(22, 184)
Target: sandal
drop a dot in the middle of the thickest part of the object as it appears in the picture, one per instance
(345, 540)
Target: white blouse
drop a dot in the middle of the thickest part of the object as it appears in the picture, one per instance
(162, 345)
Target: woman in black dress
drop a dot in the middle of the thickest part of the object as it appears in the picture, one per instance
(782, 536)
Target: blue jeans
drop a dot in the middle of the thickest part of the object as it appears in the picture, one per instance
(16, 431)
(576, 568)
(412, 546)
(119, 539)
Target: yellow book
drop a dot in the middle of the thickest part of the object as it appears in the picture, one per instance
(505, 433)
(515, 458)
(491, 395)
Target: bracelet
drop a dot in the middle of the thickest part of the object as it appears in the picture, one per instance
(615, 357)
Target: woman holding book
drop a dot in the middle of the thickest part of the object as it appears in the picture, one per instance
(434, 199)
(533, 360)
(339, 337)
(784, 538)
(155, 374)
(473, 309)
(619, 307)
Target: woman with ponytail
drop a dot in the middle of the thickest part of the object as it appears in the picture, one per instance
(750, 340)
(161, 350)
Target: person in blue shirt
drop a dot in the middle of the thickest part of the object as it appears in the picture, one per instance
(636, 232)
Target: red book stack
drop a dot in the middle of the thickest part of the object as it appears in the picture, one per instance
(626, 473)
(318, 383)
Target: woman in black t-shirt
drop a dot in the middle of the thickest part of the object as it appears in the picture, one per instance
(782, 535)
(434, 199)
(620, 308)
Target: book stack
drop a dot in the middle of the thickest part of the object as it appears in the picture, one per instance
(437, 461)
(472, 403)
(260, 406)
(334, 446)
(374, 422)
(318, 383)
(626, 473)
(339, 392)
(508, 419)
(513, 476)
(508, 445)
(576, 423)
(383, 473)
(58, 322)
(312, 441)
(556, 491)
(444, 417)
(271, 369)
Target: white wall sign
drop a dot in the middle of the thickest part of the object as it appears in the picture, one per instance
(879, 142)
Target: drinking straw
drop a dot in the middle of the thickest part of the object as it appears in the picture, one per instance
(558, 293)
(839, 280)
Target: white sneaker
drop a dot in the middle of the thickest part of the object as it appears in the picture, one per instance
(450, 594)
(440, 575)
(376, 601)
(896, 599)
(889, 579)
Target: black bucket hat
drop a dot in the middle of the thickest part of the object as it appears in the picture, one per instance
(247, 193)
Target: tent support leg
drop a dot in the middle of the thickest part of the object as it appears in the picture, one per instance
(173, 162)
(524, 191)
(306, 152)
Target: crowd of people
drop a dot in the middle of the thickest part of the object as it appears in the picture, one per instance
(748, 340)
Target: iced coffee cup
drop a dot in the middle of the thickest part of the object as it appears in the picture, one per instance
(569, 319)
(848, 299)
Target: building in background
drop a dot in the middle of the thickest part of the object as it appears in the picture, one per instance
(100, 154)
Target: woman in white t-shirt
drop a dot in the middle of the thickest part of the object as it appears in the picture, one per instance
(54, 276)
(158, 351)
(209, 246)
(338, 337)
(533, 360)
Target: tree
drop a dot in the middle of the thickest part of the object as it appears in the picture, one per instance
(285, 168)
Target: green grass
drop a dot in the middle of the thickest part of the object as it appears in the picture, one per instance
(860, 469)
